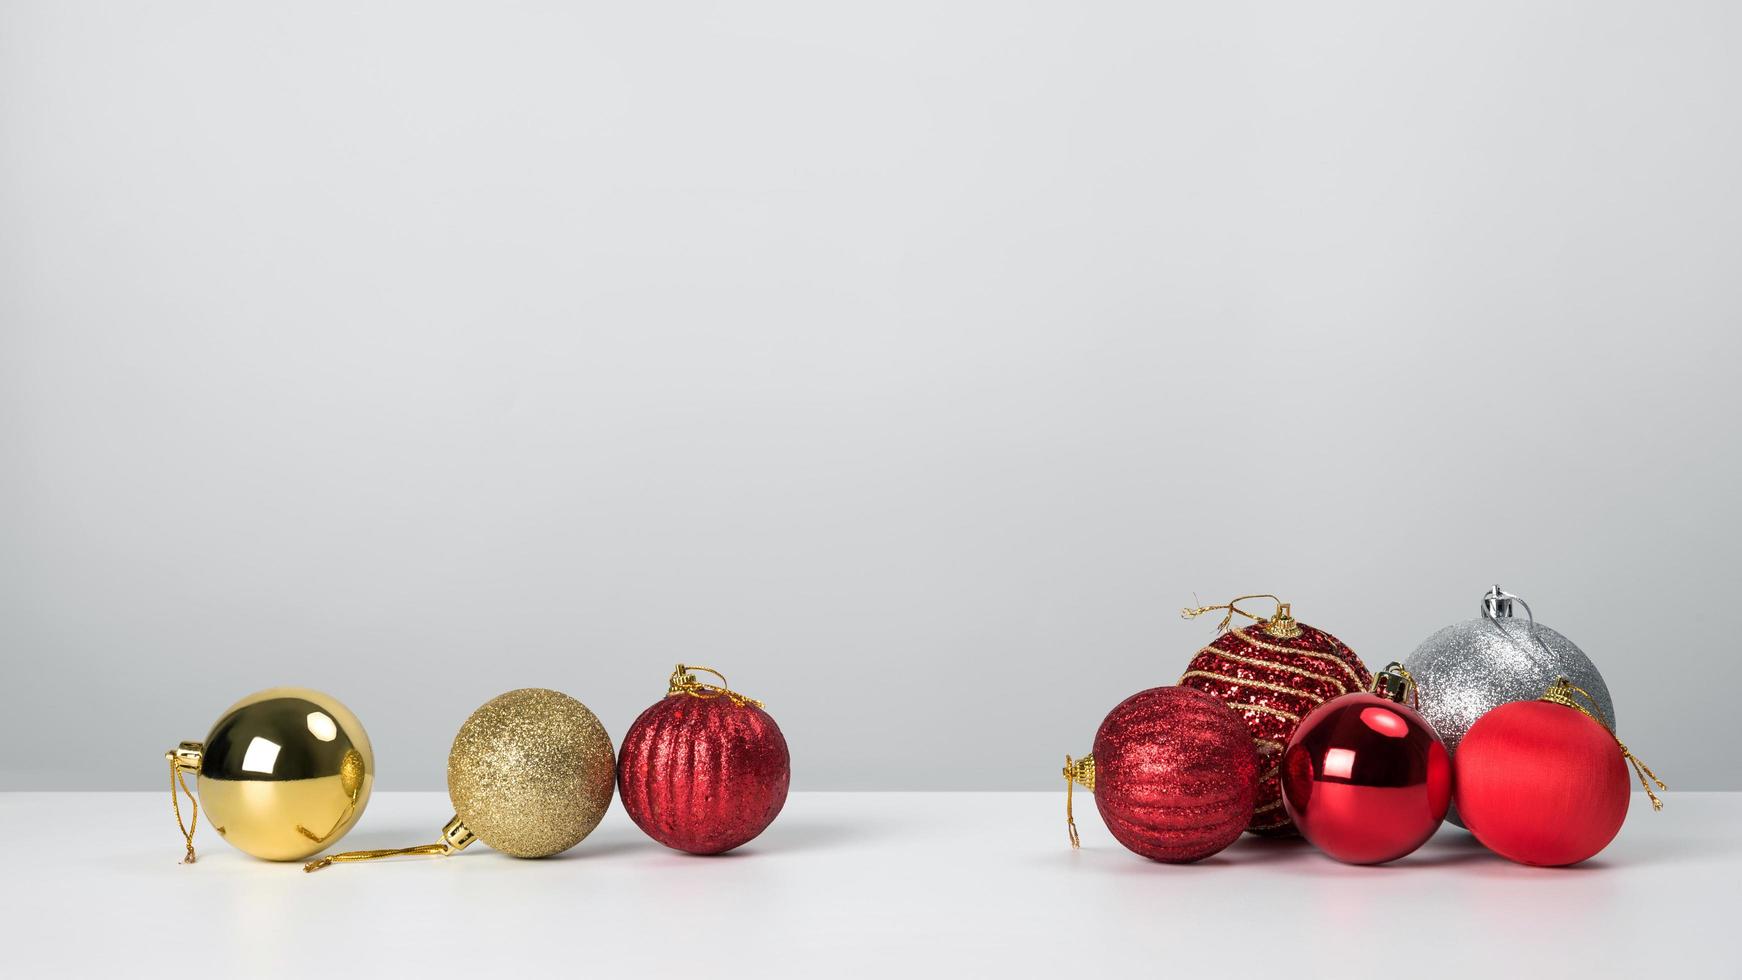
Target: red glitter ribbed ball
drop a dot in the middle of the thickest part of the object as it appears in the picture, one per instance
(703, 774)
(1540, 783)
(1175, 774)
(1273, 681)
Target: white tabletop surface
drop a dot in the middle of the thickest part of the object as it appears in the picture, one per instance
(856, 884)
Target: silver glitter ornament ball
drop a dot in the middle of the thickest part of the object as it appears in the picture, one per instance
(1470, 667)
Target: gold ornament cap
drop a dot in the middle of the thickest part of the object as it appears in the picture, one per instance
(456, 836)
(1395, 683)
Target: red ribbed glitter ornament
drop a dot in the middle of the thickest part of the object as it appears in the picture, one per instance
(1272, 673)
(705, 769)
(1173, 772)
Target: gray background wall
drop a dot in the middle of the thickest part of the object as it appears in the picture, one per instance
(913, 362)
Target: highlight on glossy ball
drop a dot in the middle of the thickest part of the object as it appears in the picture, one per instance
(531, 772)
(285, 772)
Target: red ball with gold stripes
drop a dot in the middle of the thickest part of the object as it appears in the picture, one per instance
(1273, 673)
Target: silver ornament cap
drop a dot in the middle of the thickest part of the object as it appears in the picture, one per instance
(1469, 668)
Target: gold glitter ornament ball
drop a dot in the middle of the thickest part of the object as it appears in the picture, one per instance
(532, 772)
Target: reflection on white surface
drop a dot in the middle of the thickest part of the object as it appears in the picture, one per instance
(975, 882)
(321, 726)
(262, 754)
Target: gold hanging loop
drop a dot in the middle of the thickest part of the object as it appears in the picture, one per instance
(1077, 771)
(455, 838)
(683, 681)
(1567, 694)
(1280, 624)
(441, 850)
(178, 780)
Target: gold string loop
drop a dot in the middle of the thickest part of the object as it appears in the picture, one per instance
(1567, 694)
(346, 857)
(455, 838)
(683, 681)
(1280, 624)
(178, 779)
(1077, 771)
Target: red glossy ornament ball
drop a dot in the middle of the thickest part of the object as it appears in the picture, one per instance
(703, 774)
(1541, 783)
(1272, 673)
(1175, 774)
(1365, 779)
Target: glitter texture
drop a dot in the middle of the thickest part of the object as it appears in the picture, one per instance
(703, 774)
(1175, 774)
(1273, 682)
(531, 772)
(1469, 668)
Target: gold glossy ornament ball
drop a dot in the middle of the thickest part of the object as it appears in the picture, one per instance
(285, 772)
(531, 772)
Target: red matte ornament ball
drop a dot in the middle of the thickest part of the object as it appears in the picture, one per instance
(1365, 779)
(1175, 774)
(1541, 784)
(703, 774)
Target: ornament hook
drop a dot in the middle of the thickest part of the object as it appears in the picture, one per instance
(1497, 605)
(683, 681)
(183, 759)
(1281, 624)
(1563, 691)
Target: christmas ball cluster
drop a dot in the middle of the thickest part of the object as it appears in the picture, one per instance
(284, 773)
(1275, 728)
(1279, 728)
